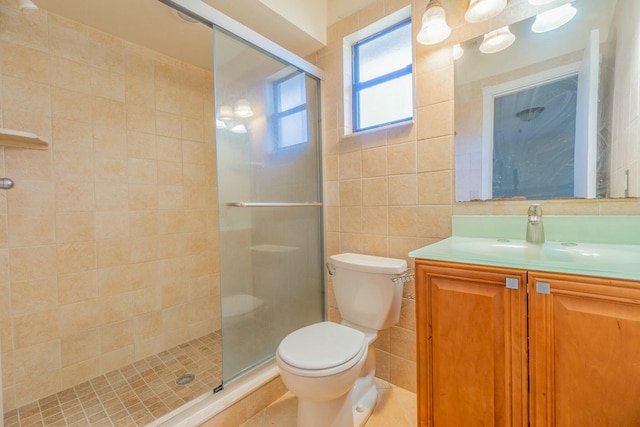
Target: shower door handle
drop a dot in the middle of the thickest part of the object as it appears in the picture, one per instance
(273, 204)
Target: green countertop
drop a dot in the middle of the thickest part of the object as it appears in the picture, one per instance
(499, 241)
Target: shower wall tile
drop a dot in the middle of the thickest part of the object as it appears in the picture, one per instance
(72, 75)
(24, 62)
(71, 136)
(141, 145)
(28, 164)
(70, 105)
(30, 296)
(79, 347)
(116, 335)
(30, 230)
(76, 287)
(37, 197)
(107, 84)
(108, 240)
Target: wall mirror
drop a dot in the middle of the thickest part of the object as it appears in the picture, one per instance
(554, 115)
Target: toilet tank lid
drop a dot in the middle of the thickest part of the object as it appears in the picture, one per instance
(369, 263)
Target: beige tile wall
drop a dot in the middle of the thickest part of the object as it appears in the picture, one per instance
(108, 241)
(391, 191)
(388, 191)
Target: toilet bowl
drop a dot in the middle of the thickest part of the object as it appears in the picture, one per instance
(330, 367)
(319, 364)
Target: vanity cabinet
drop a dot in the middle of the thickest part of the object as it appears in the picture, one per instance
(508, 347)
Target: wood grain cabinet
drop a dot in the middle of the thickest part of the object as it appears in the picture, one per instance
(507, 347)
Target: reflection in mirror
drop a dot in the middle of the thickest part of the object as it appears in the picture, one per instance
(556, 114)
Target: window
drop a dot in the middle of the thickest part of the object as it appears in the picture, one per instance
(382, 86)
(290, 111)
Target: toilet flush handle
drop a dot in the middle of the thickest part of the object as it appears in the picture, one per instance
(406, 277)
(331, 269)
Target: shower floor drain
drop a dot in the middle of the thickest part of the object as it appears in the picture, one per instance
(185, 379)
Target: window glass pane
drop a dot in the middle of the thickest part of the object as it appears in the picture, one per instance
(292, 129)
(386, 103)
(384, 54)
(292, 93)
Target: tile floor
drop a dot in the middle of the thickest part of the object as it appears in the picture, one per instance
(133, 395)
(396, 407)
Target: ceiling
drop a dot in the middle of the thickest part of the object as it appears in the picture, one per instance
(152, 24)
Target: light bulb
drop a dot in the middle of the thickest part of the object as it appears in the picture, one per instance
(497, 40)
(554, 18)
(481, 10)
(226, 112)
(27, 6)
(243, 109)
(434, 25)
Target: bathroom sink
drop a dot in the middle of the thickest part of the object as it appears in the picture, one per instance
(549, 251)
(610, 260)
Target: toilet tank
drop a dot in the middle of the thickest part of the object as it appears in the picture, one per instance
(364, 291)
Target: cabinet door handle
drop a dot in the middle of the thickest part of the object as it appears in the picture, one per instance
(543, 288)
(513, 283)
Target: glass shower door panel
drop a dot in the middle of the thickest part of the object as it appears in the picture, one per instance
(268, 157)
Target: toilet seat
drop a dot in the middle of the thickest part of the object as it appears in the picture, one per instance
(322, 349)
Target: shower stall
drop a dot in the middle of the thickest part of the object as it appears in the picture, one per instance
(187, 212)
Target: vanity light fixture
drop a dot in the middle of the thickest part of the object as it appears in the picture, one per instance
(239, 128)
(434, 24)
(458, 51)
(481, 10)
(243, 109)
(554, 18)
(226, 112)
(497, 40)
(529, 114)
(186, 18)
(27, 6)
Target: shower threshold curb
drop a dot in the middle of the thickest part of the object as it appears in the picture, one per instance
(207, 406)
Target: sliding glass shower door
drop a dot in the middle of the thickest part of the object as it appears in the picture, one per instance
(270, 215)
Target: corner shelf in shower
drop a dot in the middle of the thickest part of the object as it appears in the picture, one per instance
(20, 139)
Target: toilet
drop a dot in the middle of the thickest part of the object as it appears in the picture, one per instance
(330, 367)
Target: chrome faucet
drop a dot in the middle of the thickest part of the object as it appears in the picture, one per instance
(535, 229)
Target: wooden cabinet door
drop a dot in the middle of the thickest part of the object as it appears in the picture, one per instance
(585, 351)
(472, 348)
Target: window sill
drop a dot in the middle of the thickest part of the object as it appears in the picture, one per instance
(408, 123)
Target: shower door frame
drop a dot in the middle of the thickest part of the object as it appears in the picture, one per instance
(214, 18)
(210, 16)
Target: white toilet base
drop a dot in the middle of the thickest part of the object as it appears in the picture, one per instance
(364, 394)
(363, 409)
(329, 413)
